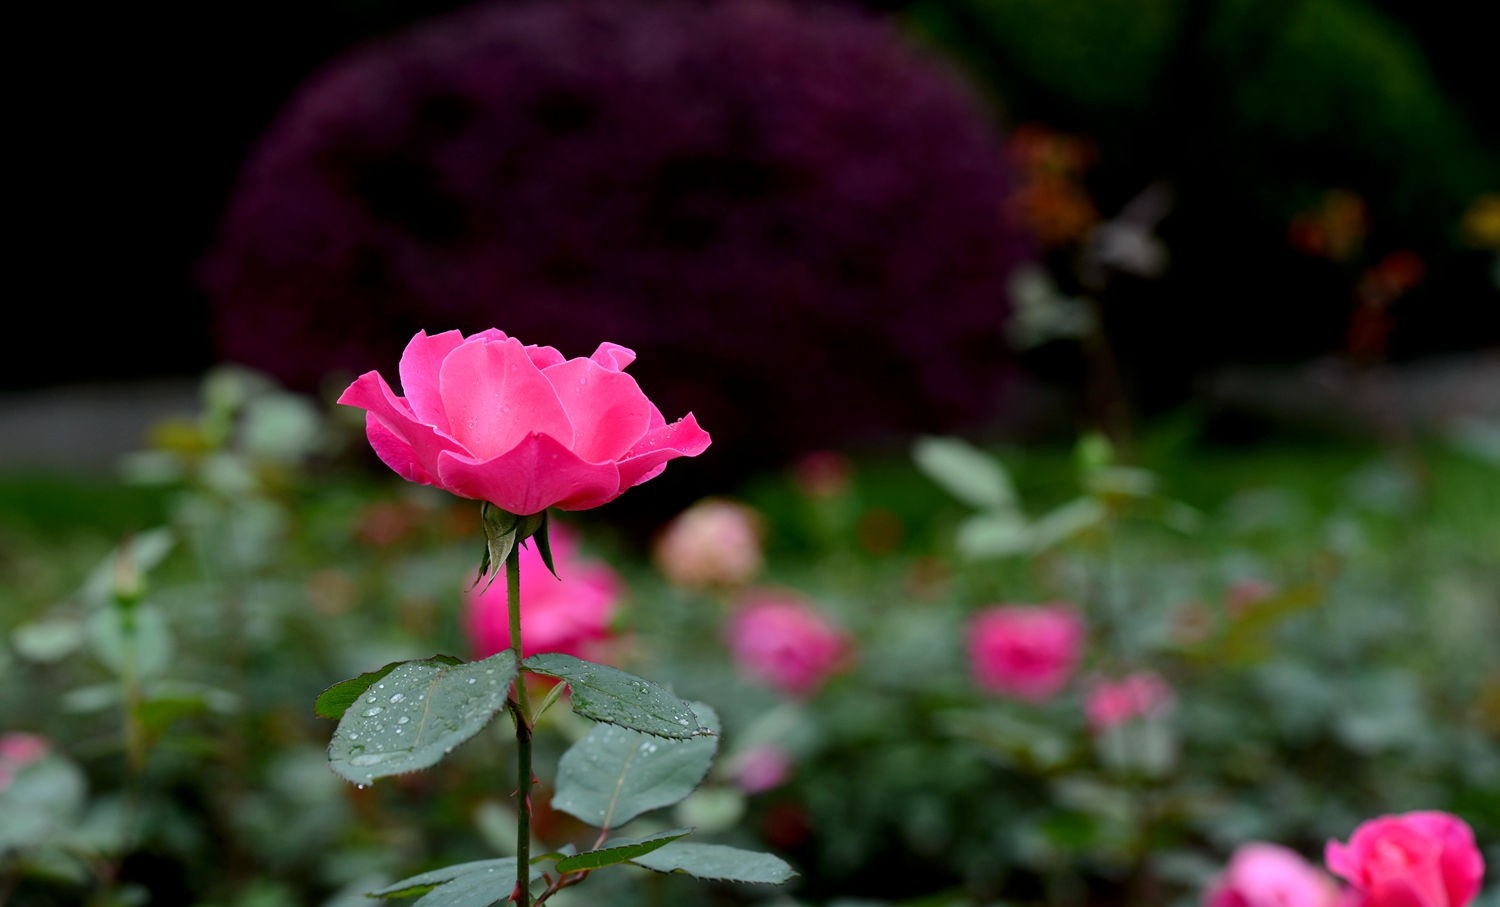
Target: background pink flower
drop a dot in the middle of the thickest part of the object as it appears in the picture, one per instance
(570, 614)
(715, 542)
(777, 638)
(1415, 859)
(1025, 651)
(519, 426)
(18, 750)
(1269, 875)
(761, 768)
(1113, 702)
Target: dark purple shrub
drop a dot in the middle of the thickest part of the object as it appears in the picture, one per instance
(791, 214)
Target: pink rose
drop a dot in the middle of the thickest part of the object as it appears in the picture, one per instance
(1269, 875)
(1416, 859)
(712, 543)
(1113, 702)
(761, 768)
(519, 426)
(779, 639)
(570, 615)
(1025, 651)
(18, 750)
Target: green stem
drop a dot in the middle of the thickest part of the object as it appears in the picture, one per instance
(521, 711)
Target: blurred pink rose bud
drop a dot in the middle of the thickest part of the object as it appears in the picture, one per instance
(761, 768)
(1416, 859)
(822, 473)
(1113, 702)
(779, 639)
(18, 750)
(714, 543)
(1025, 651)
(1269, 875)
(570, 615)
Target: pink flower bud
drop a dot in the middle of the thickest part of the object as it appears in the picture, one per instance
(713, 543)
(779, 639)
(1269, 875)
(1027, 652)
(1415, 859)
(1113, 702)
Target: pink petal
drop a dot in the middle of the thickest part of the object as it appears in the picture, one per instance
(544, 356)
(398, 428)
(606, 407)
(537, 473)
(649, 457)
(613, 356)
(421, 363)
(1460, 864)
(496, 396)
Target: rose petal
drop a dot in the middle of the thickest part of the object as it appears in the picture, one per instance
(1460, 864)
(613, 356)
(606, 407)
(401, 427)
(537, 473)
(419, 367)
(496, 396)
(649, 457)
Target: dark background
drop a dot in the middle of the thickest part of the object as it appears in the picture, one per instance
(131, 124)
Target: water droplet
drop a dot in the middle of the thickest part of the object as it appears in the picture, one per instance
(373, 710)
(402, 720)
(360, 786)
(472, 679)
(397, 697)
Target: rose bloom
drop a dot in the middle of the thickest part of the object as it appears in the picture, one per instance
(1114, 702)
(1269, 875)
(777, 638)
(761, 768)
(1025, 651)
(713, 543)
(1415, 859)
(567, 613)
(18, 750)
(519, 426)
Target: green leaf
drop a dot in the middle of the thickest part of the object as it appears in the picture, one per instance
(620, 850)
(41, 802)
(424, 882)
(716, 862)
(1066, 521)
(417, 714)
(993, 535)
(137, 640)
(335, 701)
(966, 472)
(477, 884)
(614, 774)
(610, 695)
(48, 640)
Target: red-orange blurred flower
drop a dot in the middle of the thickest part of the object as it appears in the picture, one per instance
(1335, 228)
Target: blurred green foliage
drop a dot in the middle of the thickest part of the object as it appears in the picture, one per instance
(1325, 613)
